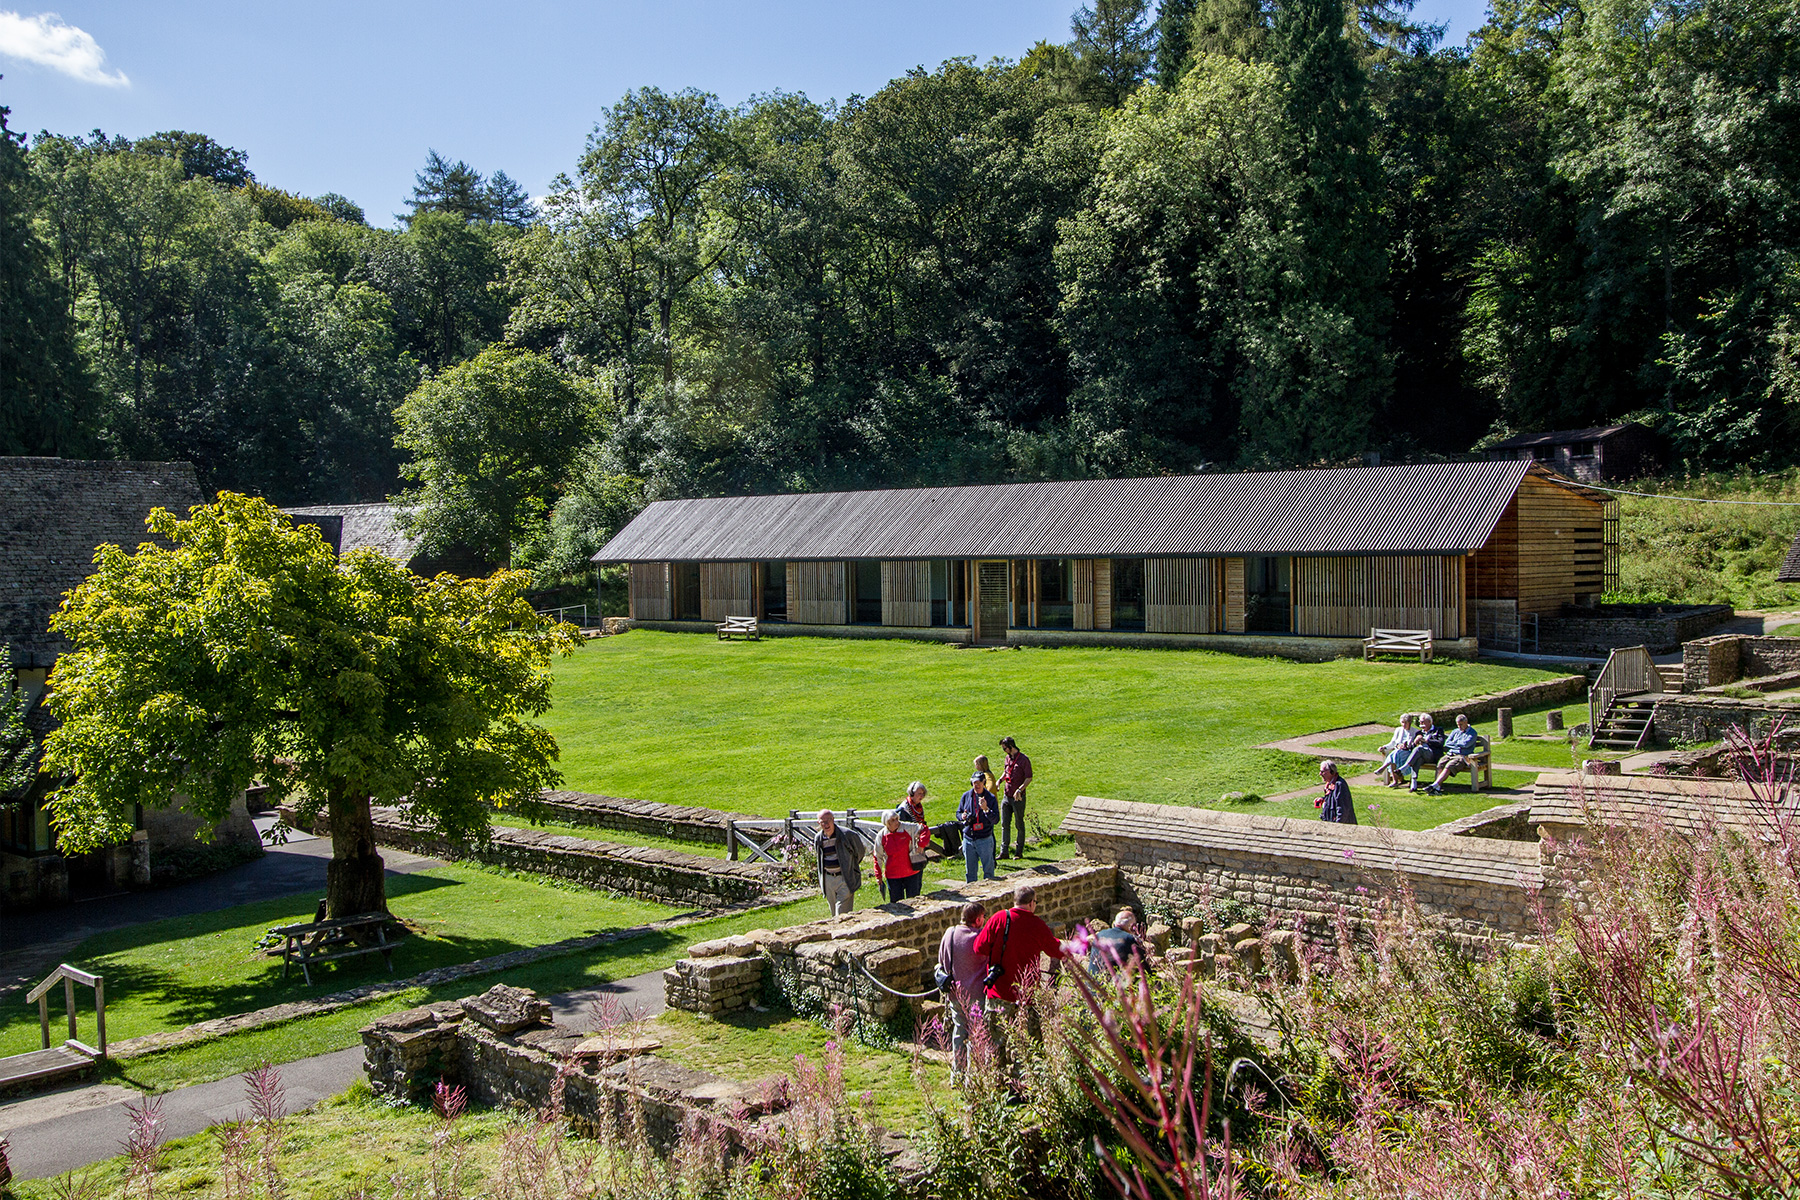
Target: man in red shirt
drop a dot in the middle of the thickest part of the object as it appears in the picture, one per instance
(1012, 940)
(1013, 782)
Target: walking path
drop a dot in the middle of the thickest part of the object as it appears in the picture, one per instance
(76, 1127)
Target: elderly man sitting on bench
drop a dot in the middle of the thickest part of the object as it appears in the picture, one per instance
(1460, 747)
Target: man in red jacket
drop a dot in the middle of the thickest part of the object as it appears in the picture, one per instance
(1012, 940)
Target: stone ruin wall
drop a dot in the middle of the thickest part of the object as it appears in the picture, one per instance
(816, 964)
(676, 822)
(1301, 874)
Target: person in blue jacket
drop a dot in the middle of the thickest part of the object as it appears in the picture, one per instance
(1334, 804)
(977, 814)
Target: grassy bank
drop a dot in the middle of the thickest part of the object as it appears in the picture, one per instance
(1681, 552)
(806, 723)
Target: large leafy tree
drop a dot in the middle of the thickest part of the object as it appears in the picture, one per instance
(245, 650)
(493, 442)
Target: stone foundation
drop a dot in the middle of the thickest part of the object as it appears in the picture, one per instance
(816, 966)
(1302, 874)
(666, 876)
(1604, 627)
(1715, 661)
(1690, 717)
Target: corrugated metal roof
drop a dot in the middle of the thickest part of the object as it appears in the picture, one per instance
(1790, 566)
(1413, 508)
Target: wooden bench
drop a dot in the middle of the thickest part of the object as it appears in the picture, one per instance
(1481, 766)
(1398, 641)
(744, 627)
(326, 941)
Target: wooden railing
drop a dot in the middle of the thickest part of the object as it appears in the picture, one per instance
(1628, 671)
(70, 976)
(770, 839)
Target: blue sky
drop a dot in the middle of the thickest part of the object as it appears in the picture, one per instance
(347, 97)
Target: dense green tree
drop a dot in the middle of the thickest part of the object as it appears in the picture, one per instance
(1234, 28)
(199, 156)
(492, 444)
(1115, 47)
(1174, 52)
(46, 399)
(248, 651)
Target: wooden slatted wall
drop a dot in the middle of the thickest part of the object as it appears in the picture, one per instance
(1083, 572)
(906, 593)
(1181, 595)
(1234, 595)
(816, 593)
(1560, 557)
(650, 598)
(1103, 593)
(727, 589)
(1496, 573)
(1346, 597)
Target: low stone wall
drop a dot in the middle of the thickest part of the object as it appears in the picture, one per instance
(1715, 661)
(677, 822)
(1507, 823)
(1564, 803)
(1607, 626)
(1479, 891)
(1688, 717)
(815, 964)
(666, 876)
(1564, 689)
(502, 1048)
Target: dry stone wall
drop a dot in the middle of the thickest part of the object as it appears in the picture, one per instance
(666, 876)
(1302, 874)
(677, 822)
(1687, 717)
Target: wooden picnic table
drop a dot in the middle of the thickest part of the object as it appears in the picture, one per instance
(313, 942)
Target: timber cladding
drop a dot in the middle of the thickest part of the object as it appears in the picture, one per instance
(906, 593)
(1234, 595)
(727, 589)
(816, 593)
(1181, 595)
(1547, 549)
(650, 593)
(1084, 576)
(1103, 605)
(1346, 597)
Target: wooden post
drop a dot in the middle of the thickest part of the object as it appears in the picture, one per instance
(731, 849)
(44, 1017)
(1553, 720)
(69, 999)
(100, 1014)
(1503, 723)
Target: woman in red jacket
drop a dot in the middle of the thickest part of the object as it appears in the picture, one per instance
(904, 877)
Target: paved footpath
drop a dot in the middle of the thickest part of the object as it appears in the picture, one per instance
(76, 1127)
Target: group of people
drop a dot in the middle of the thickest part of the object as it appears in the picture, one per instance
(900, 855)
(1418, 743)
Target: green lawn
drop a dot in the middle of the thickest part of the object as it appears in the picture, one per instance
(170, 973)
(806, 723)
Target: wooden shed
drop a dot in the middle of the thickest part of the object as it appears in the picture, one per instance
(1319, 556)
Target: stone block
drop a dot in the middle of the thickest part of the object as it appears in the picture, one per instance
(1191, 928)
(1237, 933)
(505, 1009)
(1249, 955)
(1158, 936)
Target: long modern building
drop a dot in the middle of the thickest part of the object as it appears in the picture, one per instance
(1316, 557)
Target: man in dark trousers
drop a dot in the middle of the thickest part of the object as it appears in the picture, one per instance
(1010, 943)
(1334, 804)
(976, 816)
(1014, 778)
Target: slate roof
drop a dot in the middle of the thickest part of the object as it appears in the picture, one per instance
(1790, 566)
(1559, 437)
(350, 527)
(54, 512)
(1408, 508)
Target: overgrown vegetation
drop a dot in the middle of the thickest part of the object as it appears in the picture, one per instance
(1672, 551)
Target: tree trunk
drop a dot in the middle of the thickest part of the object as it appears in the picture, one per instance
(356, 878)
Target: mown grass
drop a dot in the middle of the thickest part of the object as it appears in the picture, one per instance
(1675, 551)
(807, 723)
(174, 972)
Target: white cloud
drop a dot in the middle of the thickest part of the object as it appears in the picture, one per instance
(47, 41)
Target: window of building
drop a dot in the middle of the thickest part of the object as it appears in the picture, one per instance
(774, 591)
(1583, 450)
(687, 591)
(1543, 453)
(1128, 593)
(868, 592)
(1055, 593)
(1019, 591)
(1267, 582)
(949, 592)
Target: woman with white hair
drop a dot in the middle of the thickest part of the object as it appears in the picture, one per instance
(904, 877)
(1398, 747)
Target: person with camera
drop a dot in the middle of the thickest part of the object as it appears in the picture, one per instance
(1010, 945)
(977, 815)
(959, 977)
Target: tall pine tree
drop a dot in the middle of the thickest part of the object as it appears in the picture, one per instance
(1173, 53)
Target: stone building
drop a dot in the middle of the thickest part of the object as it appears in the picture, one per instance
(347, 527)
(54, 514)
(1592, 455)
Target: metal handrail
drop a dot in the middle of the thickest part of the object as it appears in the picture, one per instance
(70, 976)
(558, 612)
(868, 830)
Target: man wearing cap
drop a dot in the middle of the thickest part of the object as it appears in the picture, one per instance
(977, 815)
(839, 854)
(1014, 778)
